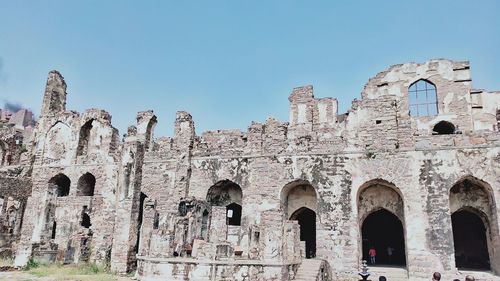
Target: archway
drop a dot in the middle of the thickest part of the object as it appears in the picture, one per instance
(381, 221)
(86, 185)
(59, 184)
(384, 231)
(233, 211)
(307, 222)
(474, 224)
(469, 238)
(84, 138)
(299, 202)
(227, 193)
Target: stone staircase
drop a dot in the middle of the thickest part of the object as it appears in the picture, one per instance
(308, 270)
(391, 273)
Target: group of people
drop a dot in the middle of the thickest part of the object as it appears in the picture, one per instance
(372, 253)
(436, 277)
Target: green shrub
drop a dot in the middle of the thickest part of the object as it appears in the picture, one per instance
(31, 264)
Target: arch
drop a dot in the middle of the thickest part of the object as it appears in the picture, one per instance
(149, 133)
(381, 222)
(474, 216)
(307, 223)
(383, 231)
(59, 185)
(296, 194)
(422, 98)
(233, 214)
(86, 185)
(443, 128)
(379, 194)
(57, 144)
(299, 202)
(470, 240)
(227, 194)
(83, 139)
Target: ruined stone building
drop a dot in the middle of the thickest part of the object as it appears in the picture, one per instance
(413, 166)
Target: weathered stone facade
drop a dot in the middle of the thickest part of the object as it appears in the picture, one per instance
(418, 157)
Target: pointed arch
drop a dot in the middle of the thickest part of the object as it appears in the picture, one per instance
(383, 231)
(296, 194)
(422, 98)
(299, 202)
(57, 143)
(474, 223)
(227, 194)
(84, 137)
(382, 222)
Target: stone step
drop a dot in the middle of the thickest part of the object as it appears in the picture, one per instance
(391, 273)
(308, 270)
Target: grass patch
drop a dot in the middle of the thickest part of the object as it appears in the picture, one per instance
(80, 272)
(6, 262)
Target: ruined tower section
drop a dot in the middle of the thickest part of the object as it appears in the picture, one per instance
(54, 99)
(70, 213)
(130, 199)
(183, 145)
(313, 121)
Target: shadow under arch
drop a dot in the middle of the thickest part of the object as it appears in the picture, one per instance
(474, 223)
(307, 189)
(307, 223)
(59, 185)
(298, 200)
(384, 231)
(381, 221)
(226, 193)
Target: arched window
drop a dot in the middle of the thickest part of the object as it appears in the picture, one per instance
(422, 98)
(60, 184)
(83, 141)
(86, 185)
(229, 194)
(443, 128)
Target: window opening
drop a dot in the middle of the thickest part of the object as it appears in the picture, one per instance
(422, 99)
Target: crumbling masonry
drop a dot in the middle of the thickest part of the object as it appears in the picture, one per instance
(413, 166)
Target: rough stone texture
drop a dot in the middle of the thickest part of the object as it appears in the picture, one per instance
(154, 204)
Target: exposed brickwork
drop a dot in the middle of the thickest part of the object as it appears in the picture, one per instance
(154, 206)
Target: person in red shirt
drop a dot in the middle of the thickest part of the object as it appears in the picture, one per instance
(373, 254)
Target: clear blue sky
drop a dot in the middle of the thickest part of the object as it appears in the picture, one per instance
(230, 62)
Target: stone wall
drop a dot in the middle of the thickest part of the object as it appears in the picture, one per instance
(163, 204)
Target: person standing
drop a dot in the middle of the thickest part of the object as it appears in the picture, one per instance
(390, 251)
(373, 254)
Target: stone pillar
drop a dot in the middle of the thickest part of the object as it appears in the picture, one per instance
(147, 226)
(54, 99)
(218, 227)
(272, 235)
(183, 144)
(123, 252)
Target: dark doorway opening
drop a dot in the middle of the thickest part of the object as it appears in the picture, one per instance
(233, 213)
(86, 220)
(142, 198)
(53, 234)
(307, 221)
(383, 230)
(469, 237)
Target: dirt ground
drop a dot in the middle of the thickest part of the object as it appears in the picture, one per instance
(25, 276)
